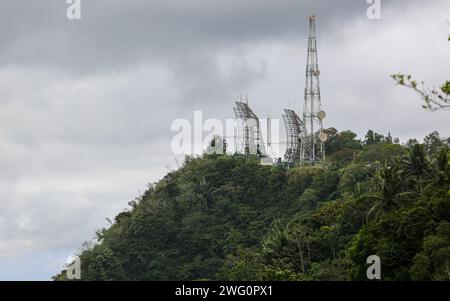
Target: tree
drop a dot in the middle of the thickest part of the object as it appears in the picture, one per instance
(441, 165)
(433, 142)
(416, 165)
(373, 138)
(227, 217)
(411, 142)
(433, 262)
(338, 141)
(391, 184)
(389, 138)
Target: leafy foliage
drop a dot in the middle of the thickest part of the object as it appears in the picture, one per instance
(434, 99)
(230, 218)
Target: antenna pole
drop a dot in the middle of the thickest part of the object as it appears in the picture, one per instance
(312, 150)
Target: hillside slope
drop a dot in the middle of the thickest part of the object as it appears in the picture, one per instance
(229, 218)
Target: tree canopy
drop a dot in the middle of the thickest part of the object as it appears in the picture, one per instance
(226, 217)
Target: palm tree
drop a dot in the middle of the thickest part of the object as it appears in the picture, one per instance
(416, 165)
(391, 183)
(441, 165)
(389, 186)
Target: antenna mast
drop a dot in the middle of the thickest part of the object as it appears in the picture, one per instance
(313, 137)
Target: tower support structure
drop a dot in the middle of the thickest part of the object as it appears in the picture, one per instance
(294, 127)
(313, 137)
(249, 132)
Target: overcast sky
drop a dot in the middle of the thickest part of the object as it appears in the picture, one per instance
(86, 105)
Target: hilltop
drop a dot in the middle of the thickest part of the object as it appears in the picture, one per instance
(226, 217)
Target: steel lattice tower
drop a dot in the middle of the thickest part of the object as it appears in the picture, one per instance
(312, 149)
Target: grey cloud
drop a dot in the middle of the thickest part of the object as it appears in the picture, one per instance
(114, 33)
(86, 107)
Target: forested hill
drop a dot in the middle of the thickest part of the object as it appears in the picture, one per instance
(229, 218)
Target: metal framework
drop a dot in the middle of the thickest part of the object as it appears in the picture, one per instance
(249, 132)
(312, 150)
(294, 127)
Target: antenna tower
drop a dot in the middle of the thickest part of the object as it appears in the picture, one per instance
(313, 137)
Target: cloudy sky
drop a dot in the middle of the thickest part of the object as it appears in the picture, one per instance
(86, 105)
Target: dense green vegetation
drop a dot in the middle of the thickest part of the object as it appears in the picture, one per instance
(223, 217)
